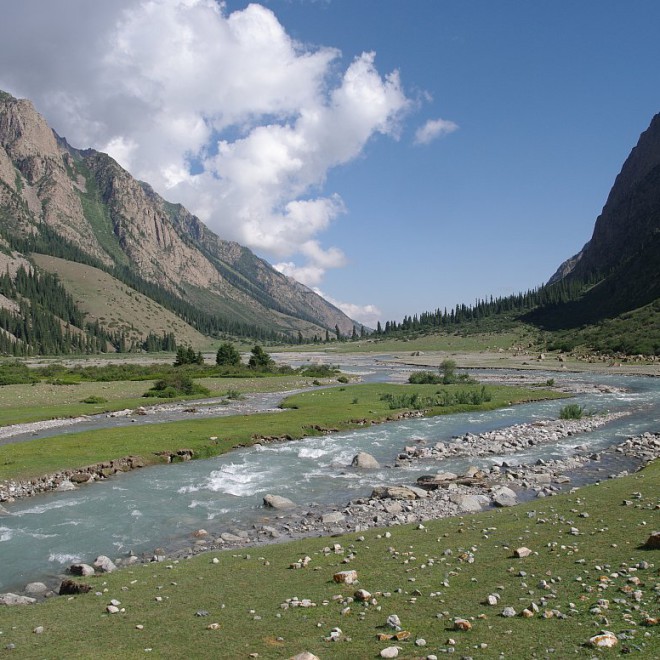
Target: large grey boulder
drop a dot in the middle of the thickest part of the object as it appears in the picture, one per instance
(467, 502)
(36, 588)
(278, 502)
(504, 496)
(104, 564)
(365, 461)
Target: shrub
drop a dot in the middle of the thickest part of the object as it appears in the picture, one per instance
(176, 384)
(424, 378)
(342, 379)
(94, 399)
(572, 411)
(319, 371)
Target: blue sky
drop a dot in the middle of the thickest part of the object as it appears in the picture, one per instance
(541, 102)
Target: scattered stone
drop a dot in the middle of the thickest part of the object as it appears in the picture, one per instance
(305, 655)
(213, 626)
(394, 622)
(462, 624)
(653, 541)
(508, 612)
(365, 461)
(346, 577)
(38, 630)
(604, 640)
(522, 552)
(362, 595)
(394, 493)
(15, 599)
(278, 502)
(112, 609)
(332, 518)
(390, 652)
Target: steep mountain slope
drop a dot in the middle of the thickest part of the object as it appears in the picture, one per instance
(82, 206)
(620, 265)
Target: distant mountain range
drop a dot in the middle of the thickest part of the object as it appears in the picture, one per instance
(80, 207)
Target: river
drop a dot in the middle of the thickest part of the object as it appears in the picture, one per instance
(162, 506)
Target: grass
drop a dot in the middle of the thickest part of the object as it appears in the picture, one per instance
(433, 342)
(305, 414)
(20, 404)
(426, 576)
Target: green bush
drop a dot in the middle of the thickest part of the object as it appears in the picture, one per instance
(319, 371)
(94, 399)
(176, 384)
(572, 411)
(424, 378)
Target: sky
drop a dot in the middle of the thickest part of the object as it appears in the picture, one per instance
(397, 156)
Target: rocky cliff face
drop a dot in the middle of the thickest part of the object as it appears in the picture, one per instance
(623, 256)
(90, 201)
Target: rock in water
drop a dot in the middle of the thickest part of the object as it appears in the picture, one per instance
(278, 502)
(365, 461)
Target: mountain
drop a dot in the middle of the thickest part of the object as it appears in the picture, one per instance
(605, 299)
(81, 206)
(620, 265)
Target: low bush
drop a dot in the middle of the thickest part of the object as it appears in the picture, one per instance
(94, 399)
(572, 411)
(177, 384)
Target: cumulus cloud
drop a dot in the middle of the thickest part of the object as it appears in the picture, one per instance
(223, 112)
(368, 315)
(433, 129)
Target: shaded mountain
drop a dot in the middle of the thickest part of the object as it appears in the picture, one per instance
(80, 205)
(619, 268)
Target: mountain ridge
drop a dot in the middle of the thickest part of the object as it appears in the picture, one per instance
(86, 200)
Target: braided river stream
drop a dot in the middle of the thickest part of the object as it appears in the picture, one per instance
(162, 506)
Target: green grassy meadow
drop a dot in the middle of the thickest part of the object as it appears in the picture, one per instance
(427, 576)
(20, 404)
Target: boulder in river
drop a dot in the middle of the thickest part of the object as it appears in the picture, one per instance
(278, 502)
(365, 461)
(81, 569)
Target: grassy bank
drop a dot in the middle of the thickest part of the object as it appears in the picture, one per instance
(20, 404)
(305, 414)
(585, 549)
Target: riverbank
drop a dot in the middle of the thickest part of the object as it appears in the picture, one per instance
(540, 579)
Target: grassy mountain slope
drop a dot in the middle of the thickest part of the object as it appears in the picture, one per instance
(116, 306)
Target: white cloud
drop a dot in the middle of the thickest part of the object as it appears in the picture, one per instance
(433, 129)
(224, 113)
(366, 314)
